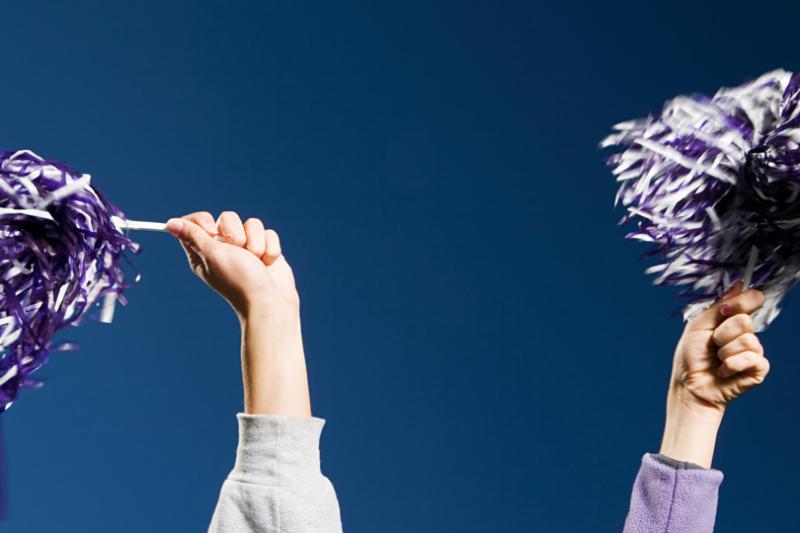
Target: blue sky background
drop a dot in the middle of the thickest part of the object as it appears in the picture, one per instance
(483, 343)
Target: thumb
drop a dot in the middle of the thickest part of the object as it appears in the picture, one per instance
(192, 235)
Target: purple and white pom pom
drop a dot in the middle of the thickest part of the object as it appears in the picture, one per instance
(61, 243)
(714, 184)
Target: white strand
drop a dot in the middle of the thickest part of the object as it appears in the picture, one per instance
(751, 266)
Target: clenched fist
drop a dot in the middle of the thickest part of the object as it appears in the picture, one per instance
(241, 261)
(718, 358)
(719, 355)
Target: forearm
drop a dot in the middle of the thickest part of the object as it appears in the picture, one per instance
(273, 363)
(678, 491)
(276, 485)
(690, 430)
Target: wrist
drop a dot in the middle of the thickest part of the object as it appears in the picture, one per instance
(268, 312)
(278, 330)
(690, 430)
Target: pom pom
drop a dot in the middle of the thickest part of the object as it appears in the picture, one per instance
(53, 268)
(714, 185)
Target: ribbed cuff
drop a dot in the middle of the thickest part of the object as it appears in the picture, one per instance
(689, 471)
(674, 463)
(273, 447)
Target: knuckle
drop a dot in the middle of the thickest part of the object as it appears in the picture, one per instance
(214, 256)
(750, 362)
(255, 246)
(750, 341)
(727, 368)
(273, 243)
(204, 219)
(189, 230)
(739, 362)
(252, 221)
(733, 364)
(758, 297)
(744, 322)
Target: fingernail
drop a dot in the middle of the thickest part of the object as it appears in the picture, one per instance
(174, 225)
(725, 310)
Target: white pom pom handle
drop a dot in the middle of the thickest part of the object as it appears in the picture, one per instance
(119, 222)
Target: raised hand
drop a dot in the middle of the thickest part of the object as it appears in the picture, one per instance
(718, 358)
(243, 263)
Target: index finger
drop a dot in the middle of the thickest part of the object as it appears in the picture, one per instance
(204, 219)
(743, 302)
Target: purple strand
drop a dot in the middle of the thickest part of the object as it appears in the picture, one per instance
(51, 271)
(714, 185)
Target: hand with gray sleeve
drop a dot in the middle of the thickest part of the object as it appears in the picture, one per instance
(276, 485)
(717, 359)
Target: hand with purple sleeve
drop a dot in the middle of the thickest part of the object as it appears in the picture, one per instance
(717, 359)
(276, 485)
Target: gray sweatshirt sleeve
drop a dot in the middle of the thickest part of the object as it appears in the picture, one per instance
(276, 485)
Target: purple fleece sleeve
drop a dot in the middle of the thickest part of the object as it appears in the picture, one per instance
(671, 498)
